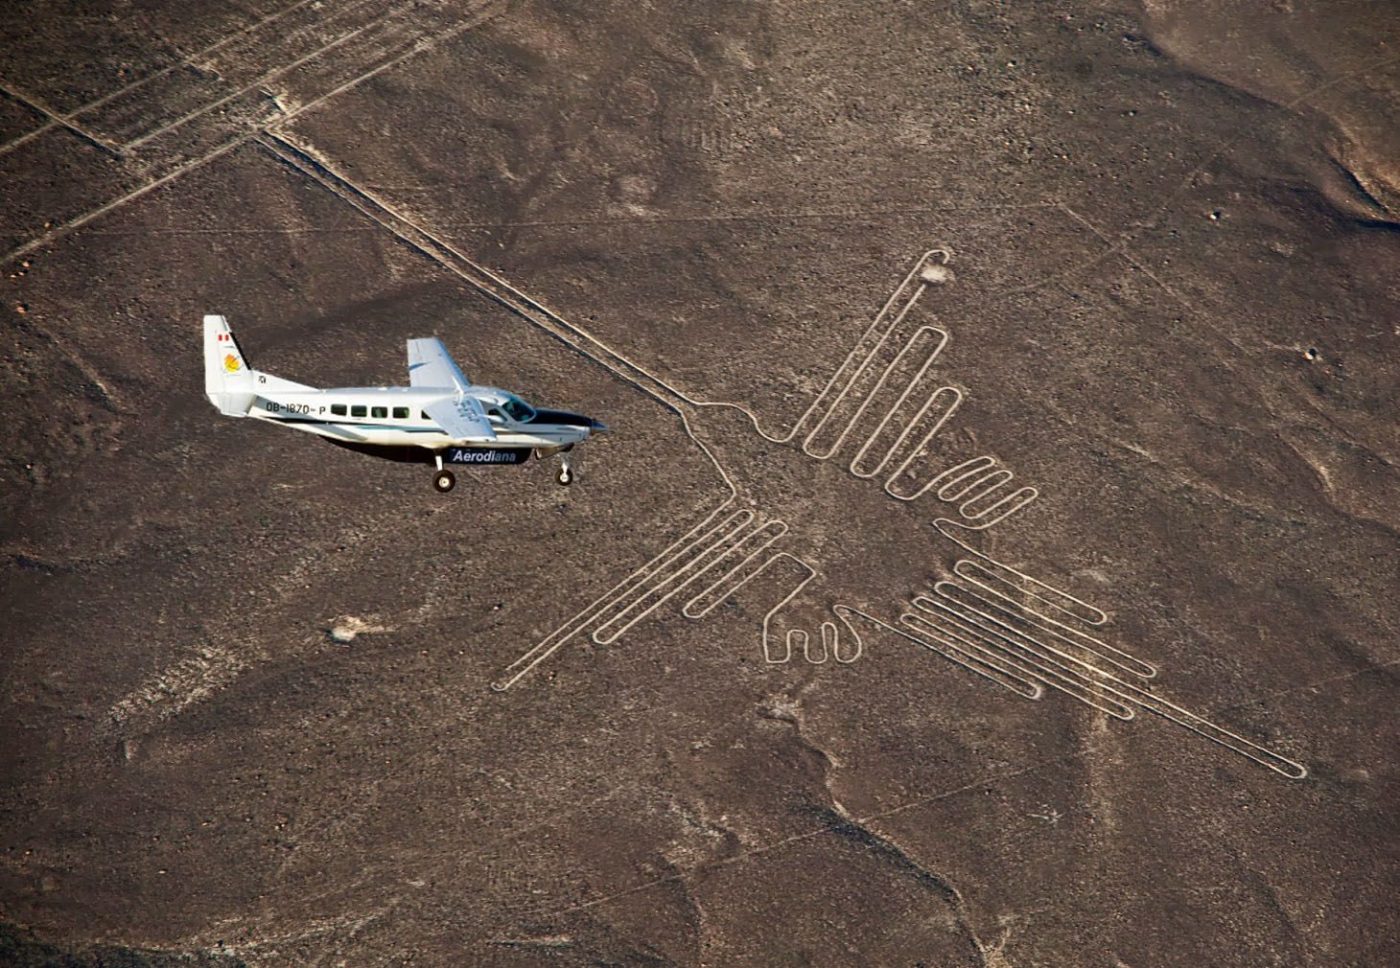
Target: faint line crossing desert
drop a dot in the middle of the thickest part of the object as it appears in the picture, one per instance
(1016, 631)
(761, 675)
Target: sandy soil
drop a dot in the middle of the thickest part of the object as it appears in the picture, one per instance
(739, 696)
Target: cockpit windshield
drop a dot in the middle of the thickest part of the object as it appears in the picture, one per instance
(518, 410)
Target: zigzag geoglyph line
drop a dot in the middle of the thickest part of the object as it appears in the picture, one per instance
(1024, 635)
(972, 482)
(989, 618)
(735, 549)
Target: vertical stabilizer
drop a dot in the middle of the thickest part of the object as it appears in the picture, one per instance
(228, 381)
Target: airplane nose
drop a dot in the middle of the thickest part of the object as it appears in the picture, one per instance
(597, 426)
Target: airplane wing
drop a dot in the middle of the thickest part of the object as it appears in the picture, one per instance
(430, 365)
(463, 419)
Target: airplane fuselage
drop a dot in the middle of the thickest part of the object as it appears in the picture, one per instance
(394, 417)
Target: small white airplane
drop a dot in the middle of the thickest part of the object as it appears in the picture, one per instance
(441, 416)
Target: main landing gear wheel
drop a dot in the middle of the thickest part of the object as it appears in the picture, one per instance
(566, 477)
(443, 481)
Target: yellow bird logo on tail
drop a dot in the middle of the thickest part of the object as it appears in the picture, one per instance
(231, 363)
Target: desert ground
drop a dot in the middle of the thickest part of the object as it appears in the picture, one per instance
(992, 560)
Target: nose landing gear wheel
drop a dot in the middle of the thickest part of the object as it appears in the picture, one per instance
(566, 477)
(443, 481)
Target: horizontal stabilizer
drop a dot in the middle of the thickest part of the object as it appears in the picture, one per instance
(267, 383)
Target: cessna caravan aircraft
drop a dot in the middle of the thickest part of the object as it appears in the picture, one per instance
(441, 416)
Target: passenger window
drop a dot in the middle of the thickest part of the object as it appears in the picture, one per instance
(338, 409)
(400, 413)
(379, 413)
(357, 411)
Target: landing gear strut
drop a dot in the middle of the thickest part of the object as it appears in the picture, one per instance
(565, 477)
(443, 480)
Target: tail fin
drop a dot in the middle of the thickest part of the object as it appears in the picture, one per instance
(228, 381)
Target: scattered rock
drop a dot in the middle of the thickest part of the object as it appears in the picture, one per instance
(346, 628)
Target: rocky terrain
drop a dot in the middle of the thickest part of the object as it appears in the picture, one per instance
(1042, 617)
